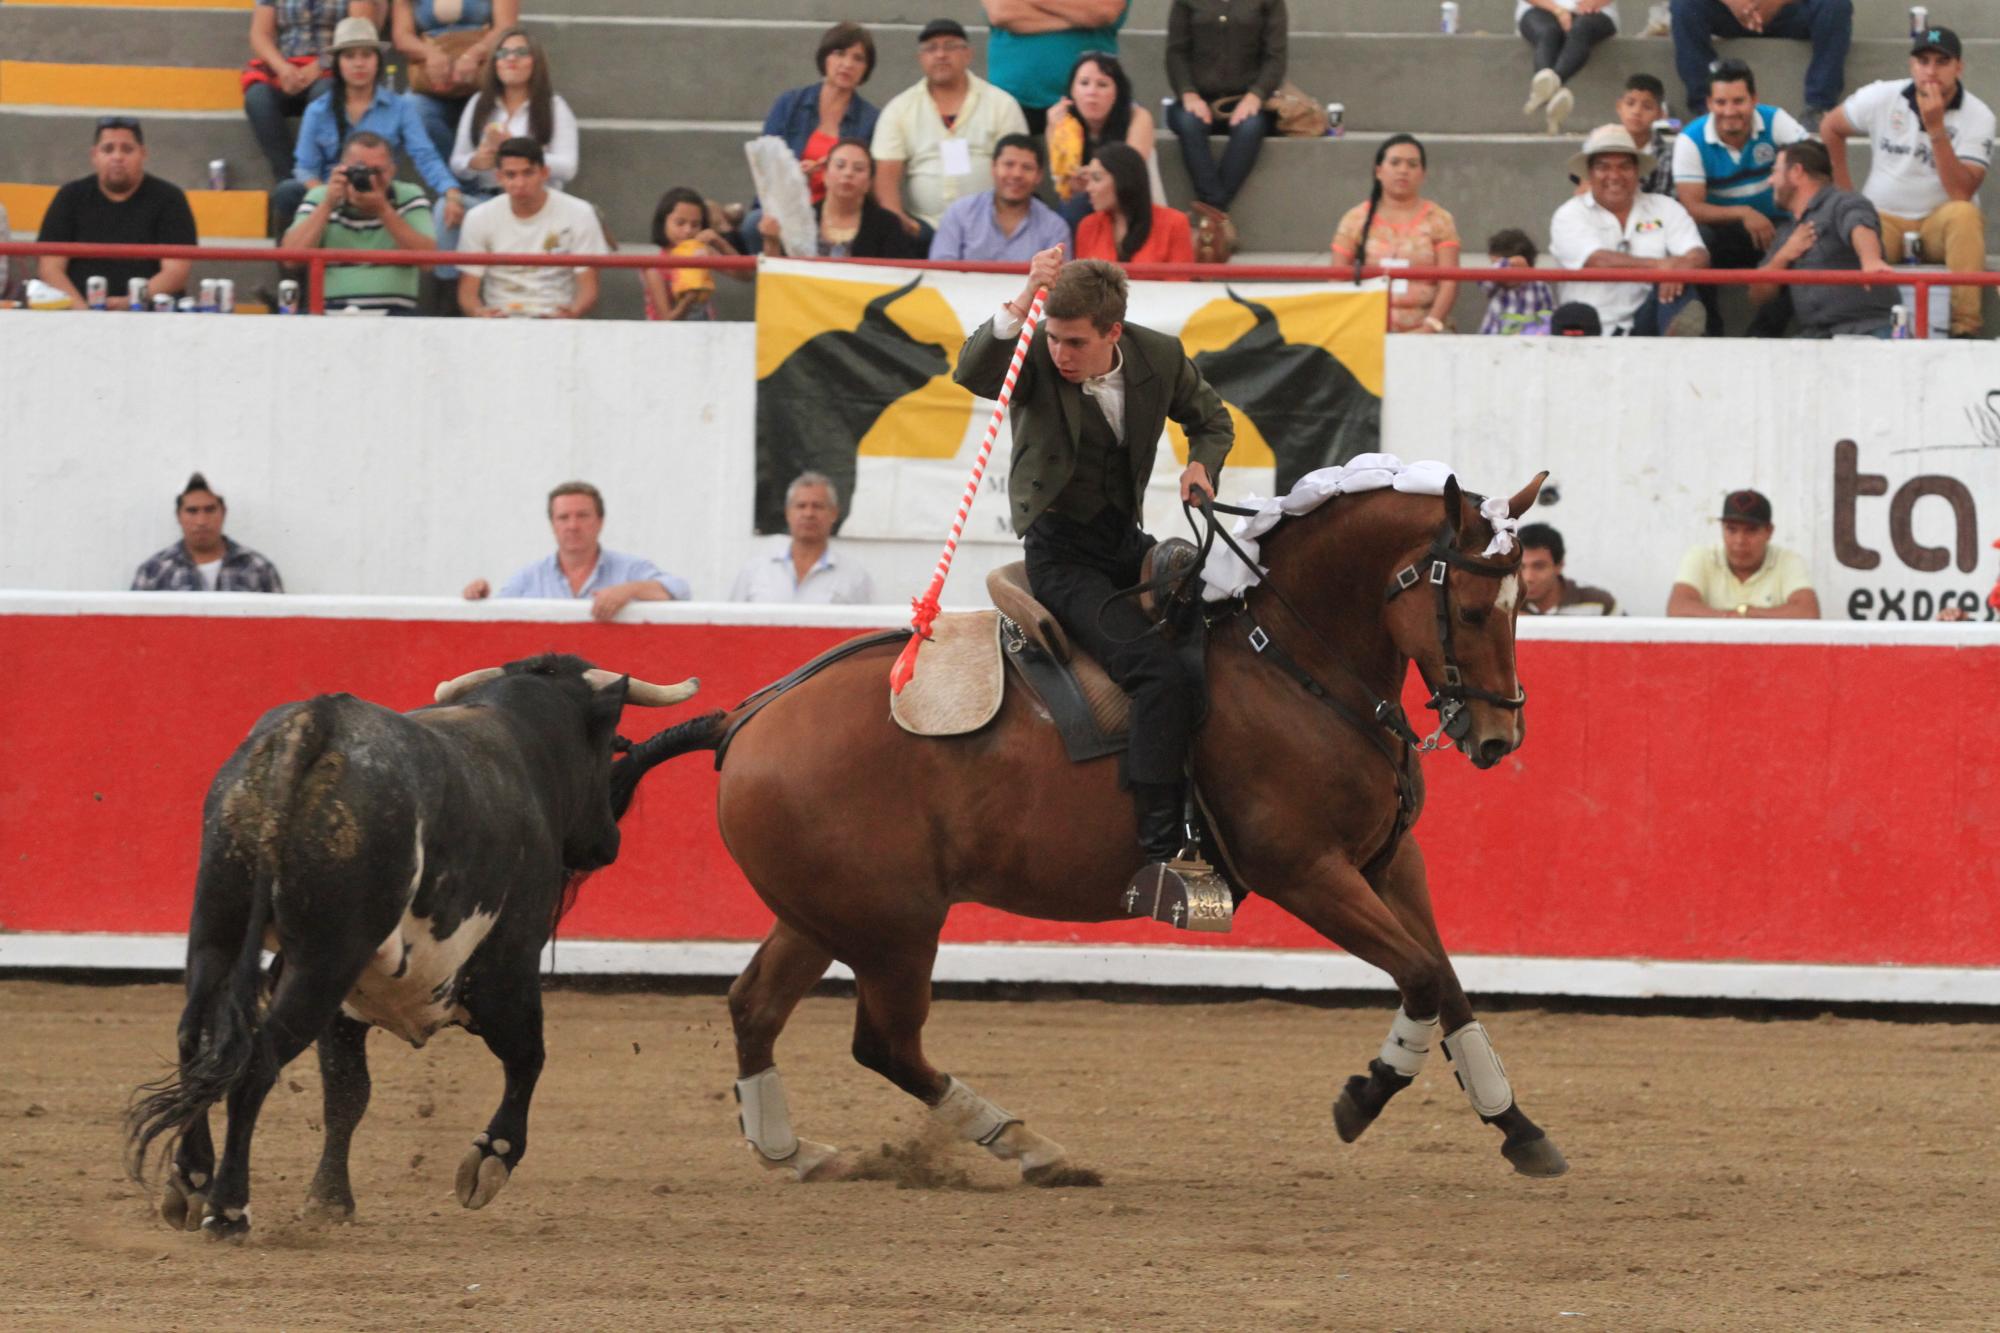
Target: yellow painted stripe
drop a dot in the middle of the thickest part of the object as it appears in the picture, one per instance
(218, 214)
(141, 4)
(126, 87)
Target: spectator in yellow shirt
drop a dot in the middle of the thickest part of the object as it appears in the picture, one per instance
(1744, 575)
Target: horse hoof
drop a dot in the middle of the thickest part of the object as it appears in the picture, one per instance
(181, 1203)
(481, 1175)
(222, 1226)
(814, 1163)
(1349, 1120)
(1060, 1174)
(1536, 1157)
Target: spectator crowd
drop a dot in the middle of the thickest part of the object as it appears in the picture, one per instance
(1050, 142)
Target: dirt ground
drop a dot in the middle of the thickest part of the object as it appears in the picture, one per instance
(1726, 1174)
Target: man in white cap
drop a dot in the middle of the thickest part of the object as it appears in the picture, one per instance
(1616, 226)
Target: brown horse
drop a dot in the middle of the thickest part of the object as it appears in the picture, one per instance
(860, 836)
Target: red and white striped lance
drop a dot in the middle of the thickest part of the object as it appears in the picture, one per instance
(925, 609)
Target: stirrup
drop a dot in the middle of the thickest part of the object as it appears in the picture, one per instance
(1185, 893)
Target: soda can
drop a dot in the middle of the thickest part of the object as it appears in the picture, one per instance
(1920, 19)
(1899, 322)
(185, 305)
(164, 304)
(135, 293)
(1336, 119)
(225, 296)
(1448, 18)
(1913, 248)
(218, 173)
(97, 292)
(288, 297)
(206, 303)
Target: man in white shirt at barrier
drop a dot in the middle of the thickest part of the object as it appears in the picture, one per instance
(1744, 575)
(1932, 142)
(581, 567)
(529, 219)
(1617, 226)
(809, 567)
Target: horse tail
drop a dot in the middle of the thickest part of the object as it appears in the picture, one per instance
(701, 733)
(218, 1027)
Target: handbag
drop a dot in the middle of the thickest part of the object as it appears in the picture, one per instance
(1299, 115)
(455, 44)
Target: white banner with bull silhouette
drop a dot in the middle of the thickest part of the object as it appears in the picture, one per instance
(854, 380)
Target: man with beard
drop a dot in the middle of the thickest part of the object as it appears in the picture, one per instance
(118, 204)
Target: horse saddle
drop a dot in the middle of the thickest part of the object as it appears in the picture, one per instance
(960, 682)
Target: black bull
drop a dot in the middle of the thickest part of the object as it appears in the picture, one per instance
(407, 870)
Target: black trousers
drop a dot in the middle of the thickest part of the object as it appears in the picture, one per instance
(1073, 567)
(1729, 246)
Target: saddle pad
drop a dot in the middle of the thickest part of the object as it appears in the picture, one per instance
(959, 678)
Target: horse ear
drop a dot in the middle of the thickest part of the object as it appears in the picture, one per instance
(1454, 506)
(1524, 498)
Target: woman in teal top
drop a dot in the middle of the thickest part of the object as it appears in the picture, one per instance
(1030, 50)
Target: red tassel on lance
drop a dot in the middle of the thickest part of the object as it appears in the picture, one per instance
(924, 614)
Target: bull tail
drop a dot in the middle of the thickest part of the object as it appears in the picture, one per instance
(218, 1027)
(701, 733)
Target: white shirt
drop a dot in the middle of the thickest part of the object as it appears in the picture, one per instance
(836, 579)
(560, 152)
(1108, 389)
(1610, 11)
(1903, 177)
(566, 225)
(210, 571)
(1656, 228)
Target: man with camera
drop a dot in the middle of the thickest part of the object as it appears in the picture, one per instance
(363, 206)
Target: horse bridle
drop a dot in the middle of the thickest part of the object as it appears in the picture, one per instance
(1449, 698)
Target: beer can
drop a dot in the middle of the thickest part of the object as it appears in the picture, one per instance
(1448, 18)
(164, 304)
(135, 293)
(218, 173)
(185, 305)
(1336, 119)
(97, 291)
(225, 296)
(1913, 248)
(1899, 321)
(1920, 19)
(206, 303)
(288, 297)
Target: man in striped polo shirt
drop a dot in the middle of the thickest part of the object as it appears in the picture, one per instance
(363, 206)
(1722, 176)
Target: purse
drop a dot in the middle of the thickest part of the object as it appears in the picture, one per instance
(1299, 115)
(455, 44)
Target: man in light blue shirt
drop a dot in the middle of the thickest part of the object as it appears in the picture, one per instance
(581, 567)
(1005, 224)
(808, 567)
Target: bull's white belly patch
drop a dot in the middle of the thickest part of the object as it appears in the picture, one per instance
(410, 986)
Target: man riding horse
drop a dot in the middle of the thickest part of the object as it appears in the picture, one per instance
(1088, 407)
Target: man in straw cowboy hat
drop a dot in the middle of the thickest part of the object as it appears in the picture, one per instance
(1616, 226)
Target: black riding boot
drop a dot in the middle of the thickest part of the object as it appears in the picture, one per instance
(1175, 885)
(1162, 827)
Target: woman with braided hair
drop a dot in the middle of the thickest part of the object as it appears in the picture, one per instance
(1399, 224)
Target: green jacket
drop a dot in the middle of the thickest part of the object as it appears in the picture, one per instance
(1160, 382)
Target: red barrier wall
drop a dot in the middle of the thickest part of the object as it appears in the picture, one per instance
(1829, 801)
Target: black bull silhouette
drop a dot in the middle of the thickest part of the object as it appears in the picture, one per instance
(815, 408)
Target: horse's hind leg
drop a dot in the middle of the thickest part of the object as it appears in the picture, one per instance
(1406, 890)
(785, 967)
(894, 1000)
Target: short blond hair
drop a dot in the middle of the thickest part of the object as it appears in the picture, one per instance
(1092, 289)
(576, 488)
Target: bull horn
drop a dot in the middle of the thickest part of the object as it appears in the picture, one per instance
(460, 686)
(642, 693)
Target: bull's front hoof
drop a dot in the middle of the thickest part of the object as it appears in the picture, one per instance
(1538, 1157)
(231, 1224)
(329, 1211)
(482, 1173)
(182, 1201)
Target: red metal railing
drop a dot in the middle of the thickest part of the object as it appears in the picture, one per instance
(315, 263)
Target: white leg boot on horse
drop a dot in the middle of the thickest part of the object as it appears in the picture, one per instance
(972, 1118)
(1404, 1051)
(784, 968)
(1485, 1082)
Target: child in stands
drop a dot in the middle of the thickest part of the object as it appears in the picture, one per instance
(1515, 307)
(681, 228)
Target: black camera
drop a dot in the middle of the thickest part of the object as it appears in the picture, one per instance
(361, 179)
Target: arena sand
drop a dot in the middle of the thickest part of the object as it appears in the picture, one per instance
(1726, 1174)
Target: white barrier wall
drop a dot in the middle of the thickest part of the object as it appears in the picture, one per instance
(370, 456)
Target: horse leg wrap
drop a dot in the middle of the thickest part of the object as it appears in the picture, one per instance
(971, 1117)
(1408, 1044)
(1479, 1070)
(766, 1119)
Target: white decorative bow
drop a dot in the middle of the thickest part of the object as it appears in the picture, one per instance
(1494, 511)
